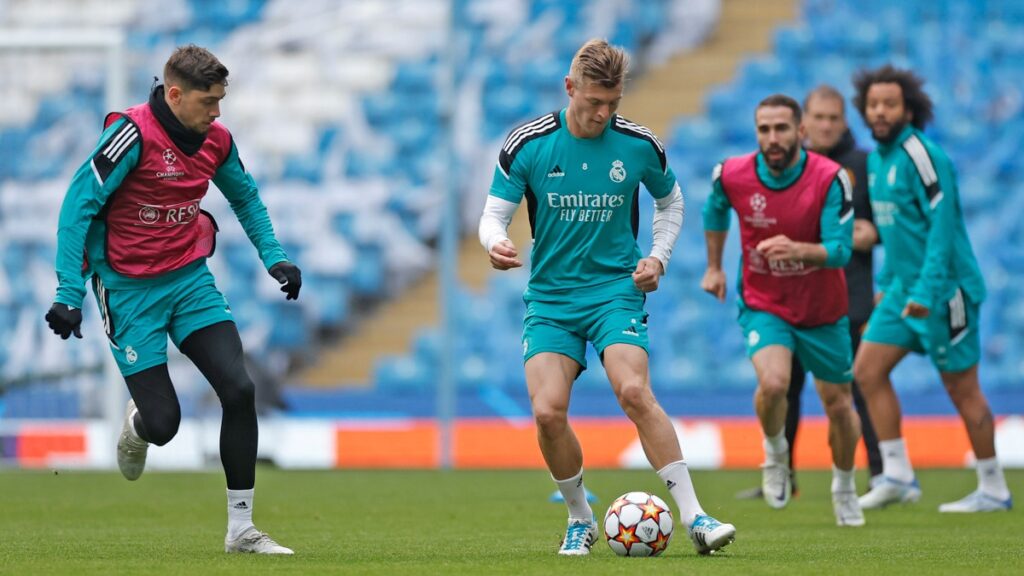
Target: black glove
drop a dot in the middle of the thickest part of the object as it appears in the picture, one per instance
(290, 278)
(65, 320)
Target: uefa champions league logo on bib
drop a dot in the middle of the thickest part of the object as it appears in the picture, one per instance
(758, 202)
(617, 173)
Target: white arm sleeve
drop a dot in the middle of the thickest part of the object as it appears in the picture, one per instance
(668, 220)
(495, 220)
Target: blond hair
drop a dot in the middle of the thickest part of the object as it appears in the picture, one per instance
(597, 61)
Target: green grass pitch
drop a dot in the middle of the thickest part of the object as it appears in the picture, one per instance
(472, 522)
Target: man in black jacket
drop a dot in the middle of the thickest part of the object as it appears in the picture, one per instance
(824, 124)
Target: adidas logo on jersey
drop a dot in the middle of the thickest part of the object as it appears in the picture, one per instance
(556, 172)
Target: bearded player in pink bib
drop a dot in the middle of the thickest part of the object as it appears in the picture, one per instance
(796, 234)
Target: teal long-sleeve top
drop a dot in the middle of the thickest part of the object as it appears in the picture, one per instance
(916, 203)
(79, 232)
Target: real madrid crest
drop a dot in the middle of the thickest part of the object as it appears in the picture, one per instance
(617, 173)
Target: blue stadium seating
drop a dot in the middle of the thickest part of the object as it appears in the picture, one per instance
(344, 177)
(978, 122)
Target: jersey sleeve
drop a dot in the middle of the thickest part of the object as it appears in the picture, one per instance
(716, 210)
(243, 196)
(91, 187)
(837, 222)
(511, 176)
(936, 189)
(658, 178)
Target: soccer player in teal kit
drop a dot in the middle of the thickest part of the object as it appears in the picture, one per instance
(580, 170)
(931, 287)
(131, 223)
(796, 233)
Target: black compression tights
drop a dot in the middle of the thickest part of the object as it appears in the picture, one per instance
(217, 351)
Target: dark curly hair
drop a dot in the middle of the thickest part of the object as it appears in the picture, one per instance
(914, 97)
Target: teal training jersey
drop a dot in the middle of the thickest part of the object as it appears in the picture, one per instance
(916, 204)
(836, 235)
(80, 231)
(582, 197)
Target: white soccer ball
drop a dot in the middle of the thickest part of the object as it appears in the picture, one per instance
(638, 524)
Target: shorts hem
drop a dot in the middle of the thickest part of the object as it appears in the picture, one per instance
(581, 361)
(200, 326)
(623, 341)
(139, 367)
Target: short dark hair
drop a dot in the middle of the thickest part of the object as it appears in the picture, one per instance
(826, 92)
(782, 100)
(914, 97)
(194, 68)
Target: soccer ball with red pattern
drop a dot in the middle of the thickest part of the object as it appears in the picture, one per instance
(638, 524)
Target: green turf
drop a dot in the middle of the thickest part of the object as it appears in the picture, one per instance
(415, 522)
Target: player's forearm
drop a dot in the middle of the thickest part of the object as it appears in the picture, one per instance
(715, 241)
(935, 269)
(836, 228)
(814, 254)
(243, 196)
(494, 221)
(668, 221)
(884, 277)
(255, 220)
(84, 200)
(938, 251)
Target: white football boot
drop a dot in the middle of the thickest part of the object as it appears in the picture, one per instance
(131, 450)
(890, 491)
(776, 482)
(255, 542)
(978, 501)
(847, 509)
(580, 535)
(709, 535)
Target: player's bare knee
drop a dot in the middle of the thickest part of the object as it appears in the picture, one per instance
(773, 385)
(635, 398)
(550, 420)
(866, 374)
(838, 406)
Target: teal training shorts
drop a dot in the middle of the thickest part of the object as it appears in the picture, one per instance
(138, 321)
(949, 335)
(824, 350)
(565, 328)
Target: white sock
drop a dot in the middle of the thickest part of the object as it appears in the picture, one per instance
(776, 448)
(895, 462)
(239, 512)
(677, 478)
(842, 480)
(575, 497)
(991, 480)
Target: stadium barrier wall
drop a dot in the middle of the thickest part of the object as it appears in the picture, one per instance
(713, 443)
